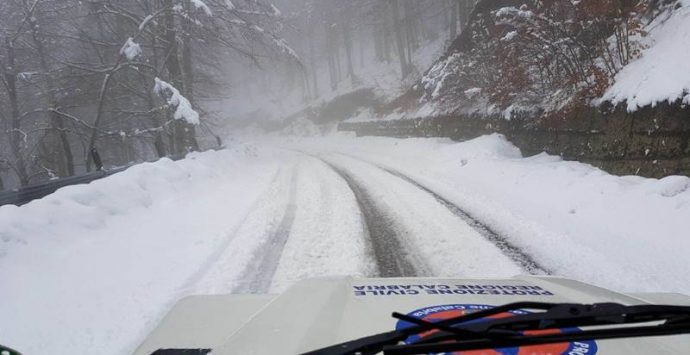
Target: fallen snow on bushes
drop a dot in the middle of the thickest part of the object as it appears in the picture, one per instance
(199, 4)
(131, 49)
(662, 73)
(183, 108)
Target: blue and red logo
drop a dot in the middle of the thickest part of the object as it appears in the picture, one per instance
(442, 312)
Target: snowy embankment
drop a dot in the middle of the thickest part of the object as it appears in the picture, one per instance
(662, 73)
(91, 268)
(625, 233)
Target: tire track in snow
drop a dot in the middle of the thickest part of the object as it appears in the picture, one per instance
(520, 257)
(212, 259)
(329, 235)
(392, 259)
(258, 275)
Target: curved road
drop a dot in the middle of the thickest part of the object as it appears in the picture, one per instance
(332, 214)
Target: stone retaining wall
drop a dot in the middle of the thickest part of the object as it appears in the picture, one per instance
(652, 142)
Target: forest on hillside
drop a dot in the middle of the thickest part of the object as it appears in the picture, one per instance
(539, 58)
(122, 77)
(136, 80)
(141, 79)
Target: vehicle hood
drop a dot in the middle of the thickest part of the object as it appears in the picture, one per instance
(322, 312)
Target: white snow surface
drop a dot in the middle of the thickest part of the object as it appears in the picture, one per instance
(131, 49)
(199, 4)
(285, 48)
(183, 108)
(624, 233)
(145, 22)
(514, 12)
(276, 11)
(92, 268)
(662, 73)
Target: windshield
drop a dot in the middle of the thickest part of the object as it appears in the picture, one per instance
(152, 150)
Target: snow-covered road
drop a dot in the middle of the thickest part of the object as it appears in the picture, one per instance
(91, 269)
(526, 262)
(306, 224)
(330, 214)
(412, 233)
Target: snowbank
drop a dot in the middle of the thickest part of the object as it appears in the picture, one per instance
(90, 269)
(663, 71)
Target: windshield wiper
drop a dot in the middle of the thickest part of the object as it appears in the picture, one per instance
(8, 351)
(460, 334)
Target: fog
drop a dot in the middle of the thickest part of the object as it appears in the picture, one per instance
(81, 76)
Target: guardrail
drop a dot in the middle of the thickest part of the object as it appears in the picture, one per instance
(24, 195)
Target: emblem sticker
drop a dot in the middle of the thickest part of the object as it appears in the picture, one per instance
(442, 312)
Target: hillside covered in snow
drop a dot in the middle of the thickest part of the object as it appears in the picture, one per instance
(603, 82)
(659, 74)
(552, 58)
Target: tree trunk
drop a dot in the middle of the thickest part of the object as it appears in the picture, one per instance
(379, 30)
(312, 59)
(386, 35)
(336, 55)
(410, 34)
(397, 29)
(314, 69)
(331, 60)
(347, 39)
(454, 11)
(180, 128)
(15, 133)
(362, 48)
(466, 10)
(158, 142)
(188, 76)
(57, 122)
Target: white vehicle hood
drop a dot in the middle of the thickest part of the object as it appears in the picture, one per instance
(322, 312)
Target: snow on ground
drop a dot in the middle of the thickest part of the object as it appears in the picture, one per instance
(92, 268)
(662, 73)
(625, 233)
(321, 236)
(445, 245)
(327, 237)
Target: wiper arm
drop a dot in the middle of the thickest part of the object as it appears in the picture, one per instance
(5, 350)
(507, 332)
(374, 344)
(456, 334)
